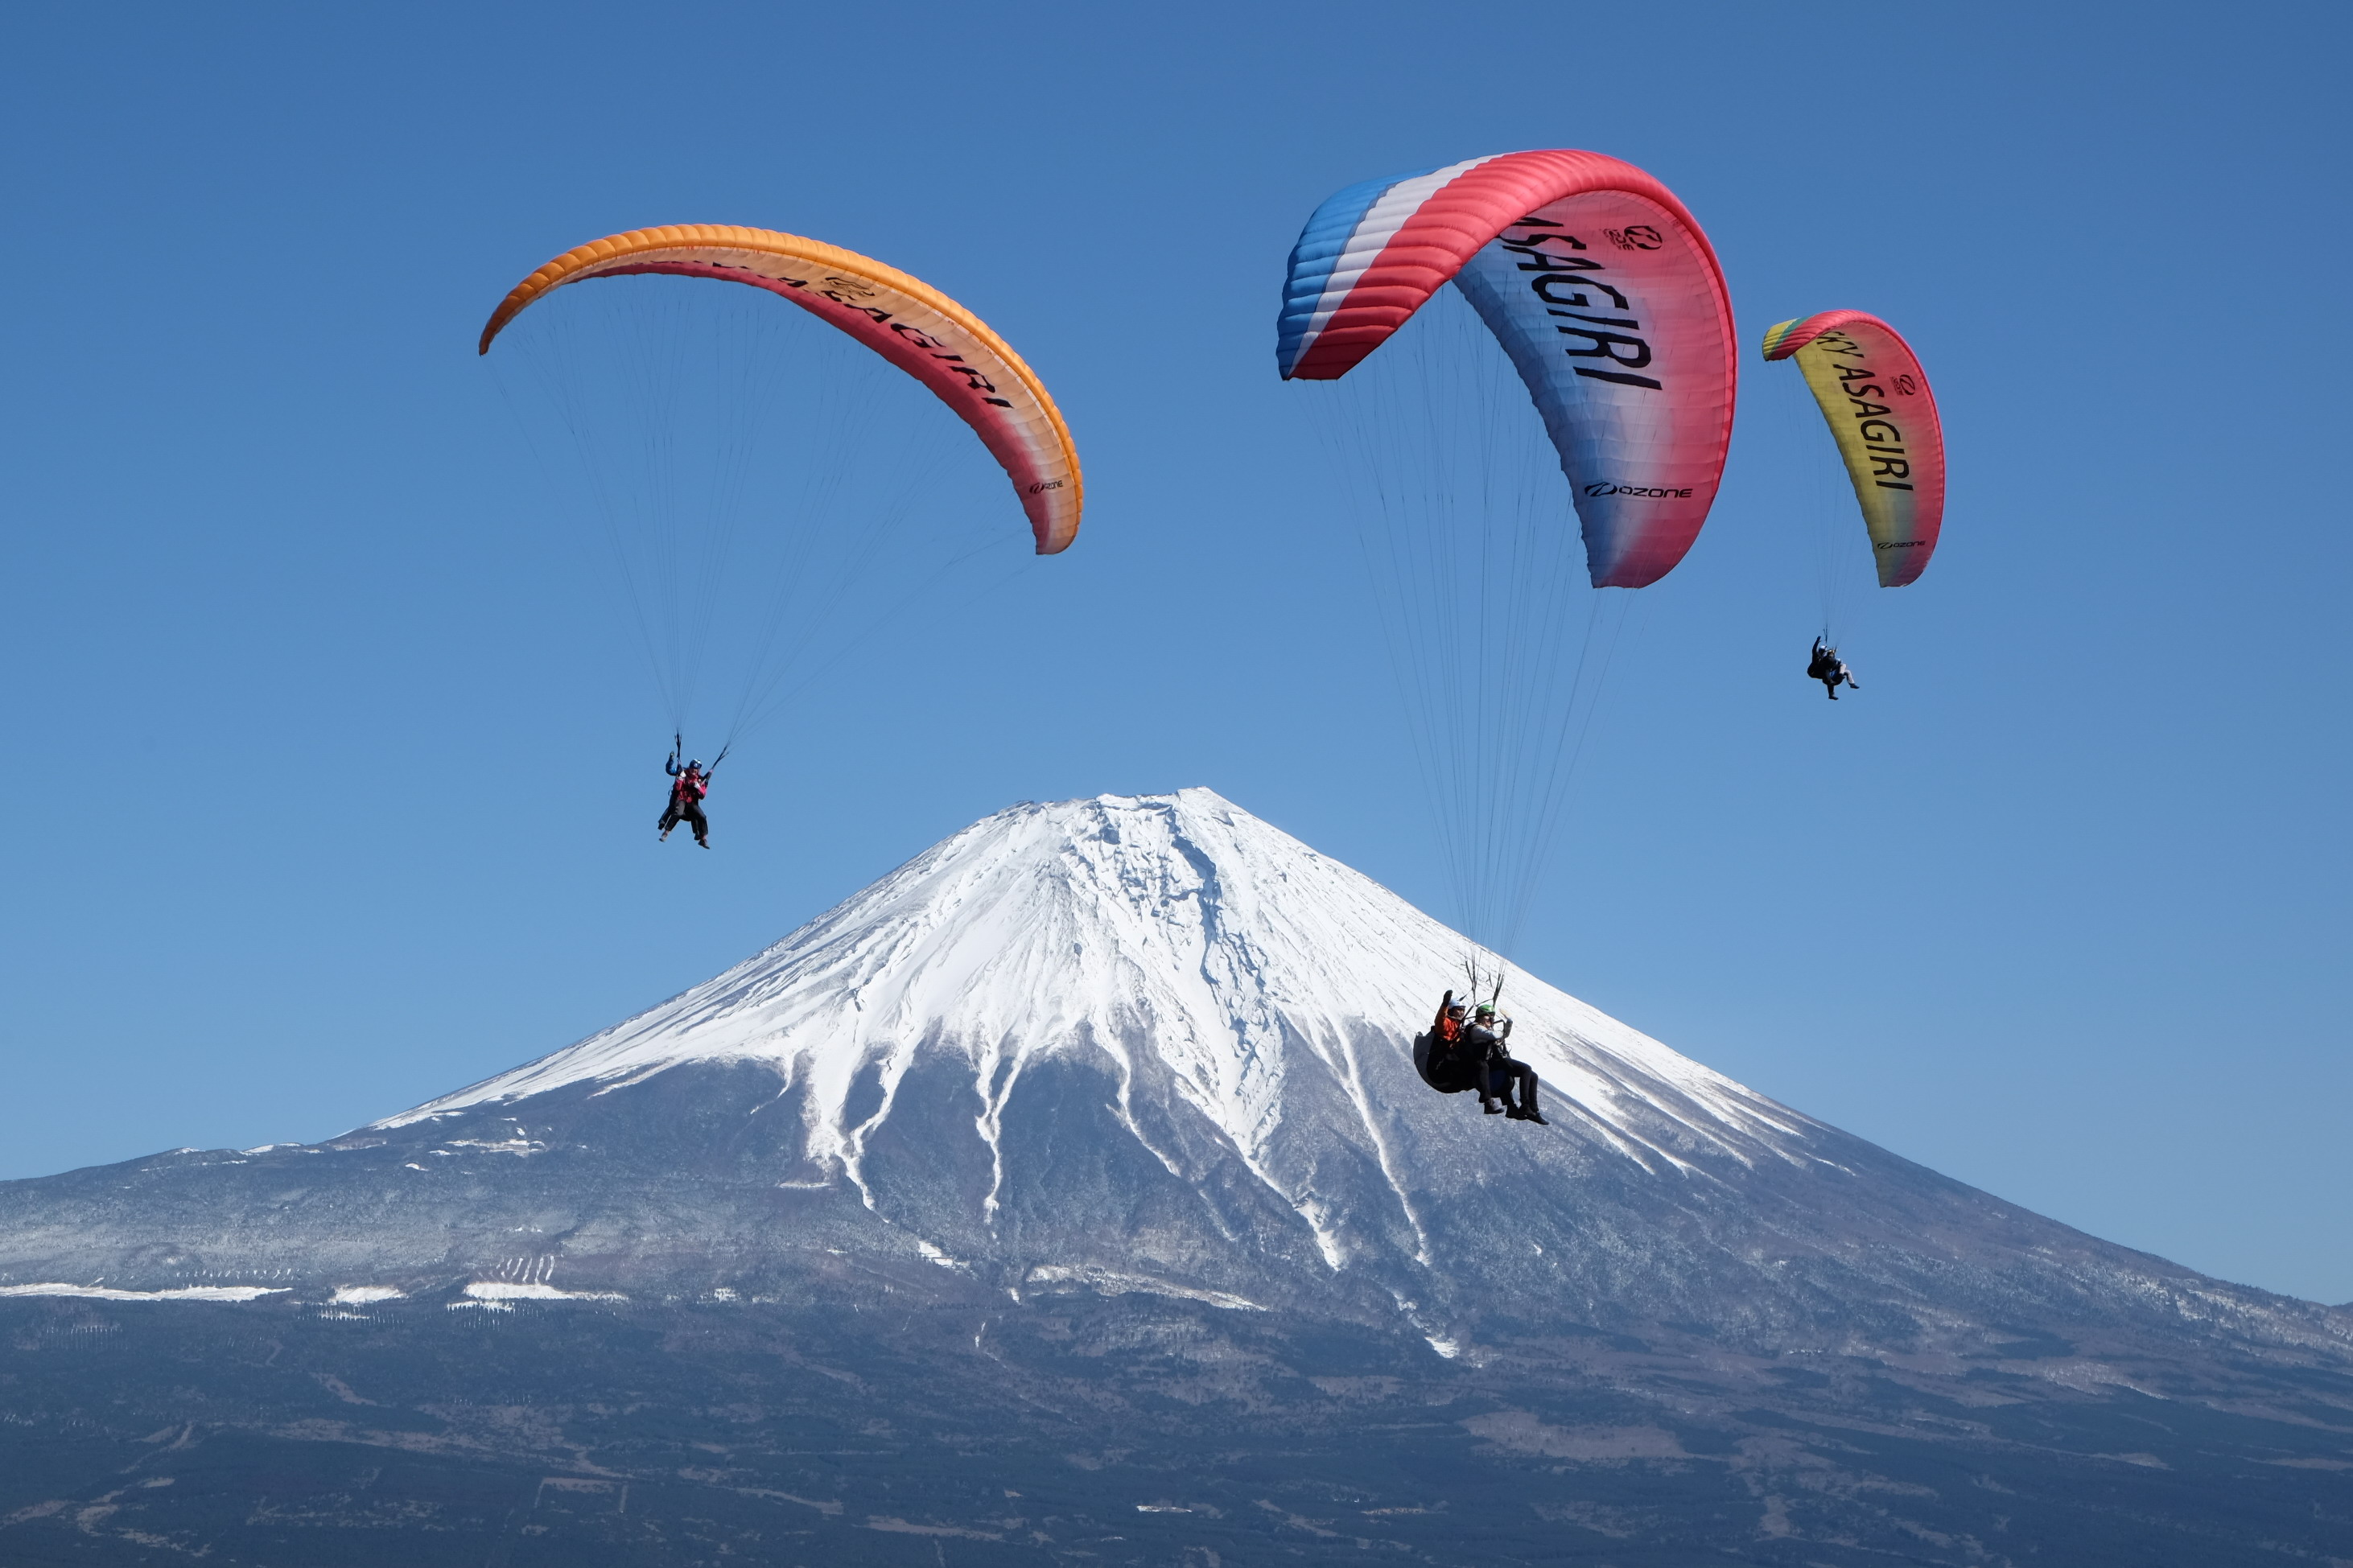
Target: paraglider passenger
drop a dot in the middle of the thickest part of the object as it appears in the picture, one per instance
(1448, 1063)
(692, 783)
(1482, 1040)
(1438, 1053)
(1828, 668)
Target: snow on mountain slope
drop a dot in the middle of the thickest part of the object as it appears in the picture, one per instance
(1136, 1043)
(1176, 924)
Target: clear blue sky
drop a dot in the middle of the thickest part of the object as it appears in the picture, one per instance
(329, 775)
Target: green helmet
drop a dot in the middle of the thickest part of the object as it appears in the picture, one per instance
(1486, 1009)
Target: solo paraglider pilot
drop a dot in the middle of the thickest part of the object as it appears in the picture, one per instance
(1828, 668)
(689, 785)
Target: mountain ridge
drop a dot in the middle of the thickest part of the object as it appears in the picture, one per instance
(1142, 1042)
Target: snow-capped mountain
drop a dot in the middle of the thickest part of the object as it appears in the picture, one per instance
(1071, 1192)
(1143, 1044)
(1218, 974)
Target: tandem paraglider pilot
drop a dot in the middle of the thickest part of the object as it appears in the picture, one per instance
(1459, 1053)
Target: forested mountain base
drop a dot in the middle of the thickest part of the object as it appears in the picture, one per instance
(1085, 1429)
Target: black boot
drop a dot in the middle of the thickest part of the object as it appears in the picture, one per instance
(1526, 1110)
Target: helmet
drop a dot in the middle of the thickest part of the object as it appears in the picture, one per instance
(1486, 1009)
(694, 762)
(1454, 1009)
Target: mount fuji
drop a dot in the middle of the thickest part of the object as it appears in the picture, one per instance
(1099, 1118)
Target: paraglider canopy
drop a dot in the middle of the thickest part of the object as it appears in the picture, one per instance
(755, 472)
(1871, 389)
(1611, 316)
(907, 322)
(1599, 285)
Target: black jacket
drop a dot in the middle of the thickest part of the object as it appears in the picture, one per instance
(1484, 1042)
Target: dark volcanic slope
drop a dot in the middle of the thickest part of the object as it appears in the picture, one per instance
(1079, 1431)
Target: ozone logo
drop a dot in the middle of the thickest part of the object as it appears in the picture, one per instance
(1650, 492)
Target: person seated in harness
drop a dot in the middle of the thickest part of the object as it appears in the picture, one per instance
(686, 794)
(1483, 1044)
(1438, 1056)
(1828, 668)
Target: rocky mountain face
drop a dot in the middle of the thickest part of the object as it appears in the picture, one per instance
(1096, 1125)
